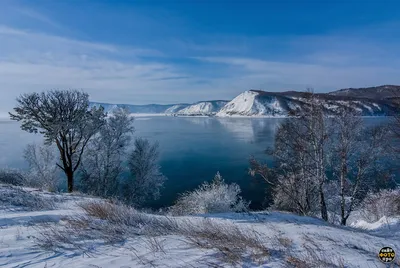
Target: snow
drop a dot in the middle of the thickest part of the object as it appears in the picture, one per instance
(249, 104)
(252, 104)
(202, 108)
(369, 108)
(356, 245)
(242, 104)
(331, 106)
(174, 109)
(377, 106)
(381, 224)
(293, 106)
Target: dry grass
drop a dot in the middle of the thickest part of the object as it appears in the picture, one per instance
(79, 233)
(107, 223)
(313, 257)
(285, 242)
(233, 244)
(225, 242)
(104, 223)
(128, 216)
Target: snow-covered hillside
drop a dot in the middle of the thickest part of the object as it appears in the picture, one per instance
(40, 229)
(249, 103)
(202, 108)
(260, 103)
(184, 109)
(176, 108)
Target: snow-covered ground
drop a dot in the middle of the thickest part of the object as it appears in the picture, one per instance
(290, 239)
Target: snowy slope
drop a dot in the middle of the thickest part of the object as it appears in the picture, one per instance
(252, 103)
(202, 108)
(175, 108)
(290, 238)
(244, 104)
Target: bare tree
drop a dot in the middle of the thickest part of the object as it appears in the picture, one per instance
(300, 157)
(64, 118)
(294, 187)
(42, 166)
(356, 152)
(146, 179)
(315, 122)
(102, 164)
(309, 145)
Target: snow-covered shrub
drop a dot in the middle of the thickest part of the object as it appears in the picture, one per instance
(383, 203)
(146, 179)
(123, 215)
(332, 197)
(12, 176)
(43, 170)
(296, 194)
(214, 197)
(102, 163)
(17, 198)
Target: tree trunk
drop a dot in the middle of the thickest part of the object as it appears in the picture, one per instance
(324, 212)
(70, 180)
(343, 174)
(343, 221)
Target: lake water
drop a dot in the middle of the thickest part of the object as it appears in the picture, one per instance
(192, 150)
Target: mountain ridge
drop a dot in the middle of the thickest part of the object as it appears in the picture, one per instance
(371, 101)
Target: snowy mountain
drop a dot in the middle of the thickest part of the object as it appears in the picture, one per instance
(198, 108)
(373, 101)
(261, 103)
(135, 109)
(252, 103)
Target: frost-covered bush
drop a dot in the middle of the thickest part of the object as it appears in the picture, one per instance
(43, 170)
(102, 163)
(383, 203)
(12, 176)
(146, 180)
(17, 198)
(214, 197)
(295, 195)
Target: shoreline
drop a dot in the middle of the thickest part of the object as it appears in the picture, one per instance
(7, 119)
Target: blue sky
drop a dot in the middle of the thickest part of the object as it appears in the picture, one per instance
(183, 51)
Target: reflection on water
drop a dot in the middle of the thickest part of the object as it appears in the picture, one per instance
(249, 129)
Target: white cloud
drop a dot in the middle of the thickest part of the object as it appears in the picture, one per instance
(32, 61)
(302, 75)
(36, 61)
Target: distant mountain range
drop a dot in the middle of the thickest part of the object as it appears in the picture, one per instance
(373, 101)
